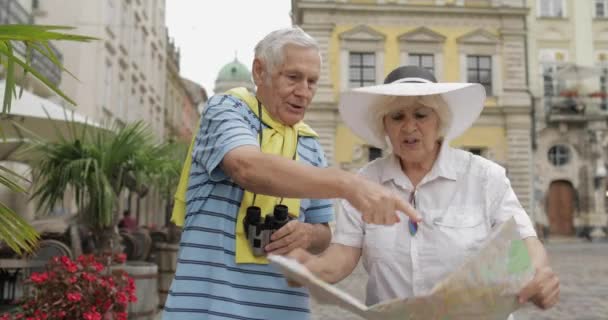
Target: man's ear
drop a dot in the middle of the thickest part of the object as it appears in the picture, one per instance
(259, 71)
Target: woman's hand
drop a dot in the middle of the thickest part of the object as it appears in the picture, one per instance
(542, 290)
(303, 257)
(378, 204)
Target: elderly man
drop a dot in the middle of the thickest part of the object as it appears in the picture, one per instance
(251, 153)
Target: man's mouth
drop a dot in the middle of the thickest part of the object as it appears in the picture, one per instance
(296, 106)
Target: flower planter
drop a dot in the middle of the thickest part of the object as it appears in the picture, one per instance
(166, 257)
(145, 275)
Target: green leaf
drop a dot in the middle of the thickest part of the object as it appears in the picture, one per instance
(14, 59)
(9, 183)
(16, 232)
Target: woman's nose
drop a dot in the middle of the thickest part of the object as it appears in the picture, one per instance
(409, 124)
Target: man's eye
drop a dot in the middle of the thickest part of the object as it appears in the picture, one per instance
(420, 115)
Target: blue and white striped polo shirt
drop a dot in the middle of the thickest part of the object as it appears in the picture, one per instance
(208, 284)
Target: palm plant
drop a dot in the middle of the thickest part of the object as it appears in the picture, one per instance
(97, 167)
(14, 230)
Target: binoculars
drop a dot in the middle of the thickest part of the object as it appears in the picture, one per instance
(259, 229)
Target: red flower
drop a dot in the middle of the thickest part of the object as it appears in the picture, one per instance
(92, 315)
(39, 277)
(120, 258)
(77, 289)
(74, 296)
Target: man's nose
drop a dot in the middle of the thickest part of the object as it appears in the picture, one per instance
(304, 90)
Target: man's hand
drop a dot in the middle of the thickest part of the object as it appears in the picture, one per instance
(295, 234)
(379, 205)
(542, 290)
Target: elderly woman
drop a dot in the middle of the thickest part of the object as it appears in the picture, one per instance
(460, 196)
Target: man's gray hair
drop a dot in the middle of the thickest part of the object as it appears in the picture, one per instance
(271, 48)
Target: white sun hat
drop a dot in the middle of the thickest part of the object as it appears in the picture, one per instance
(357, 107)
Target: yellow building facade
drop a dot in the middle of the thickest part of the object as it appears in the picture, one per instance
(459, 41)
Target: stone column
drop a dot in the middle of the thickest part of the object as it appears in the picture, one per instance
(323, 114)
(519, 155)
(597, 217)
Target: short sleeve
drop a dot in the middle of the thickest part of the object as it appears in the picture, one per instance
(349, 226)
(319, 210)
(223, 128)
(503, 203)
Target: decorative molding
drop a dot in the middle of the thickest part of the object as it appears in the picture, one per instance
(477, 37)
(362, 33)
(422, 34)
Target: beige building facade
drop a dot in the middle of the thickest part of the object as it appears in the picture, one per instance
(121, 77)
(568, 56)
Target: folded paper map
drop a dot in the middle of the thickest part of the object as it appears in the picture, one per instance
(484, 287)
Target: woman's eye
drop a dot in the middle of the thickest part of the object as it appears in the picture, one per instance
(420, 115)
(397, 116)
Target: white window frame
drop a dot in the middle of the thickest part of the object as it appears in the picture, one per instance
(423, 41)
(422, 54)
(492, 70)
(549, 58)
(605, 5)
(552, 9)
(362, 66)
(361, 39)
(482, 43)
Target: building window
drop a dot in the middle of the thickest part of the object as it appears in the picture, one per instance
(604, 88)
(479, 70)
(477, 151)
(601, 8)
(559, 155)
(110, 14)
(107, 84)
(423, 60)
(551, 8)
(362, 69)
(551, 86)
(374, 153)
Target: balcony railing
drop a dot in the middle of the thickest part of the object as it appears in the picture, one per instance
(576, 108)
(11, 12)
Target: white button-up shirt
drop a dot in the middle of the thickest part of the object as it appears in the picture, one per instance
(461, 199)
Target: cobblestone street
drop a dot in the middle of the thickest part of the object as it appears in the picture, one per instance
(581, 266)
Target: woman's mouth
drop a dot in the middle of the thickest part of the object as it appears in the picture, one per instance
(411, 141)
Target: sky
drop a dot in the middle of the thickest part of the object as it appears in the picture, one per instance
(210, 32)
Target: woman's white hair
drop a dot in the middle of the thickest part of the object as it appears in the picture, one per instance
(271, 48)
(388, 104)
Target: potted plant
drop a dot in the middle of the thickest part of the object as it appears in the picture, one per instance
(568, 93)
(598, 94)
(97, 166)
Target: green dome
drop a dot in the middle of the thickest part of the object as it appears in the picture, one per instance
(234, 71)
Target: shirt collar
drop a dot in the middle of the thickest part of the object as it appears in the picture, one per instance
(445, 167)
